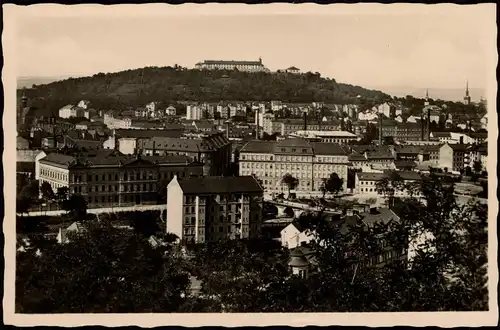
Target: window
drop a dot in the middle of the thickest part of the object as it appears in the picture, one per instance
(221, 229)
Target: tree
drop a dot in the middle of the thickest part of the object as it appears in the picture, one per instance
(288, 211)
(22, 205)
(46, 190)
(477, 169)
(76, 206)
(129, 275)
(290, 181)
(62, 194)
(334, 184)
(235, 274)
(30, 191)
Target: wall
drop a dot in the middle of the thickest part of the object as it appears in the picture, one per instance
(175, 198)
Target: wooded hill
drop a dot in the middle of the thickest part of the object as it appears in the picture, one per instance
(135, 88)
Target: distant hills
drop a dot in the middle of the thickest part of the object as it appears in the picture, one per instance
(446, 94)
(28, 82)
(135, 88)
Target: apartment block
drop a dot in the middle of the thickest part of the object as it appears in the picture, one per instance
(207, 209)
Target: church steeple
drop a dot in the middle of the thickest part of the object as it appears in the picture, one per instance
(426, 103)
(467, 97)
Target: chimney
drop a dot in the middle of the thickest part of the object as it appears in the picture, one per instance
(428, 124)
(154, 147)
(380, 130)
(422, 128)
(305, 121)
(257, 133)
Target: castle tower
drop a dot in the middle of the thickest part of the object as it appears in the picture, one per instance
(467, 98)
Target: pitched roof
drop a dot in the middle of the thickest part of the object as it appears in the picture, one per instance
(318, 148)
(382, 215)
(220, 185)
(147, 133)
(232, 62)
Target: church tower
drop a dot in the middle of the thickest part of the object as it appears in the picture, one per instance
(426, 103)
(467, 96)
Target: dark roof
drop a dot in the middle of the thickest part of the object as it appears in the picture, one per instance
(220, 185)
(24, 167)
(356, 157)
(319, 148)
(232, 62)
(459, 146)
(379, 155)
(148, 133)
(381, 215)
(367, 176)
(441, 134)
(405, 175)
(112, 158)
(404, 163)
(292, 68)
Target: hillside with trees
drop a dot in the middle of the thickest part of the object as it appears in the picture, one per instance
(135, 88)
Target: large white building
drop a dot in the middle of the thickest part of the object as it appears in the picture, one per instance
(326, 136)
(194, 112)
(247, 66)
(309, 162)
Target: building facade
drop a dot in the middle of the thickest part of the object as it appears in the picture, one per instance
(110, 179)
(309, 162)
(247, 66)
(213, 150)
(211, 208)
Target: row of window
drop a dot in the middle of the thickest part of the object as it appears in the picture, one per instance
(53, 174)
(145, 187)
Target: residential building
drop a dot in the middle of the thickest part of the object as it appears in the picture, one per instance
(207, 209)
(247, 66)
(288, 126)
(387, 109)
(117, 122)
(453, 156)
(342, 137)
(214, 150)
(292, 69)
(70, 110)
(171, 111)
(303, 261)
(366, 183)
(478, 153)
(107, 178)
(294, 235)
(309, 162)
(194, 112)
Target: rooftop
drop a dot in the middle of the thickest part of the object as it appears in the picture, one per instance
(312, 134)
(220, 185)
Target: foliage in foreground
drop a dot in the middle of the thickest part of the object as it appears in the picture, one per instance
(111, 270)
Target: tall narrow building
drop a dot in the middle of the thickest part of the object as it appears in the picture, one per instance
(426, 103)
(467, 99)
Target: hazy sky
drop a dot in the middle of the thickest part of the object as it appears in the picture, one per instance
(435, 50)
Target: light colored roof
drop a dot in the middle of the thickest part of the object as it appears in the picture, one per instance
(324, 134)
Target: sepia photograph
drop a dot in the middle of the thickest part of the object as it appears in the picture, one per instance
(286, 160)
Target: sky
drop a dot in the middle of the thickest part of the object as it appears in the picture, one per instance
(428, 49)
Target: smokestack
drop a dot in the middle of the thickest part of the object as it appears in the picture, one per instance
(428, 124)
(305, 121)
(422, 128)
(257, 134)
(154, 147)
(380, 130)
